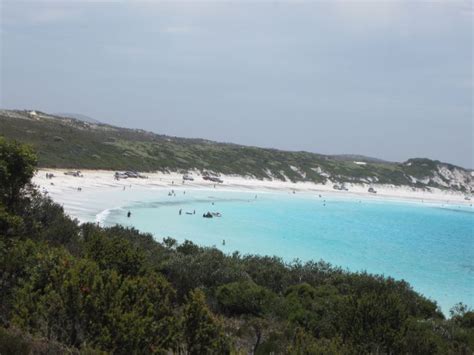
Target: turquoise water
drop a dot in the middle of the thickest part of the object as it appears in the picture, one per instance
(431, 247)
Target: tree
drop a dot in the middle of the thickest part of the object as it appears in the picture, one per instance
(17, 167)
(75, 302)
(245, 297)
(305, 344)
(139, 316)
(202, 331)
(314, 308)
(112, 252)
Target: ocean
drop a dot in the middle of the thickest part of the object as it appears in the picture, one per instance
(430, 246)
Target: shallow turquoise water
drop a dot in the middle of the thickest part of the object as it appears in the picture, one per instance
(429, 246)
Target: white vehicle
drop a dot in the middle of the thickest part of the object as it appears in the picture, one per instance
(188, 177)
(119, 175)
(73, 173)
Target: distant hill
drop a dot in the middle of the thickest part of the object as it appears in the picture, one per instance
(63, 142)
(356, 157)
(78, 116)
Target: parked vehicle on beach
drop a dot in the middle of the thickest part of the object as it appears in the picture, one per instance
(213, 179)
(128, 174)
(372, 190)
(120, 175)
(132, 174)
(73, 173)
(340, 187)
(188, 177)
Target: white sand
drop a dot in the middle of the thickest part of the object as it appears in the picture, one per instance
(64, 189)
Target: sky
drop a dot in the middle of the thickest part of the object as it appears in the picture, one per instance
(388, 79)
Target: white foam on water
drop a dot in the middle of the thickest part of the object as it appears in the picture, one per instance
(101, 217)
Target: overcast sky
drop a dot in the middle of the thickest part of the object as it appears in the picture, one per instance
(390, 79)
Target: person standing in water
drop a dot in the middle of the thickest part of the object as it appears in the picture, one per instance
(180, 211)
(129, 214)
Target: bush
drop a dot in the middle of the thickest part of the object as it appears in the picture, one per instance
(245, 297)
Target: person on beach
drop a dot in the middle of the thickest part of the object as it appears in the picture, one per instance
(129, 214)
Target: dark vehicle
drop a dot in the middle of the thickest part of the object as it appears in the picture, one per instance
(213, 179)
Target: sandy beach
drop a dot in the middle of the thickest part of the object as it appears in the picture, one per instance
(76, 194)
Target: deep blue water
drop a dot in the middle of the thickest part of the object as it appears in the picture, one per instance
(431, 247)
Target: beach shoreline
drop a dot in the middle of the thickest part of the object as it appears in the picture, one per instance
(76, 193)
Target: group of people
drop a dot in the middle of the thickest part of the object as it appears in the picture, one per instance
(180, 212)
(173, 193)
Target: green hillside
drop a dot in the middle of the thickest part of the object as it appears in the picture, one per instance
(70, 143)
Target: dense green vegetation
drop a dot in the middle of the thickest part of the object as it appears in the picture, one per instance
(69, 143)
(82, 288)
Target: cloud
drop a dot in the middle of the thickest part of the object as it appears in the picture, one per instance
(178, 29)
(51, 15)
(131, 51)
(37, 13)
